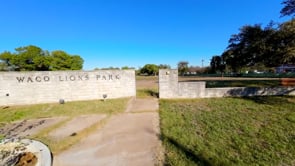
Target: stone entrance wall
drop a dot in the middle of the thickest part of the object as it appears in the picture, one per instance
(45, 87)
(169, 87)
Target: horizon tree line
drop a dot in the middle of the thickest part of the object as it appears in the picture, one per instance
(260, 47)
(33, 58)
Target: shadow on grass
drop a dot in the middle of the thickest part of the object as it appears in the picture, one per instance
(242, 83)
(148, 93)
(197, 159)
(270, 100)
(256, 91)
(153, 93)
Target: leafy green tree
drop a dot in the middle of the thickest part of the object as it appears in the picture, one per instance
(43, 63)
(280, 45)
(257, 47)
(25, 59)
(126, 68)
(27, 56)
(6, 58)
(33, 58)
(231, 61)
(182, 67)
(76, 62)
(60, 61)
(63, 61)
(286, 47)
(164, 66)
(289, 8)
(251, 47)
(217, 64)
(149, 69)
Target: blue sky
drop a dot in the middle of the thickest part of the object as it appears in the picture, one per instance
(131, 32)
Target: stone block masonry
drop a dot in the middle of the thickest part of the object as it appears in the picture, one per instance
(169, 87)
(17, 88)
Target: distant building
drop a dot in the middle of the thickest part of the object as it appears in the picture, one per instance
(285, 69)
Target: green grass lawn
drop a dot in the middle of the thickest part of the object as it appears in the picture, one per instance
(14, 113)
(229, 131)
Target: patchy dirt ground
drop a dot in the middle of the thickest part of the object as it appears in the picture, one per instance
(25, 128)
(150, 82)
(75, 125)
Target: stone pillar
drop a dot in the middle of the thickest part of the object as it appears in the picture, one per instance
(168, 83)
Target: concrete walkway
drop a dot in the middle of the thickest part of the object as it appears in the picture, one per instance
(128, 139)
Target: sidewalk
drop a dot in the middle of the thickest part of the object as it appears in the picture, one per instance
(128, 139)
